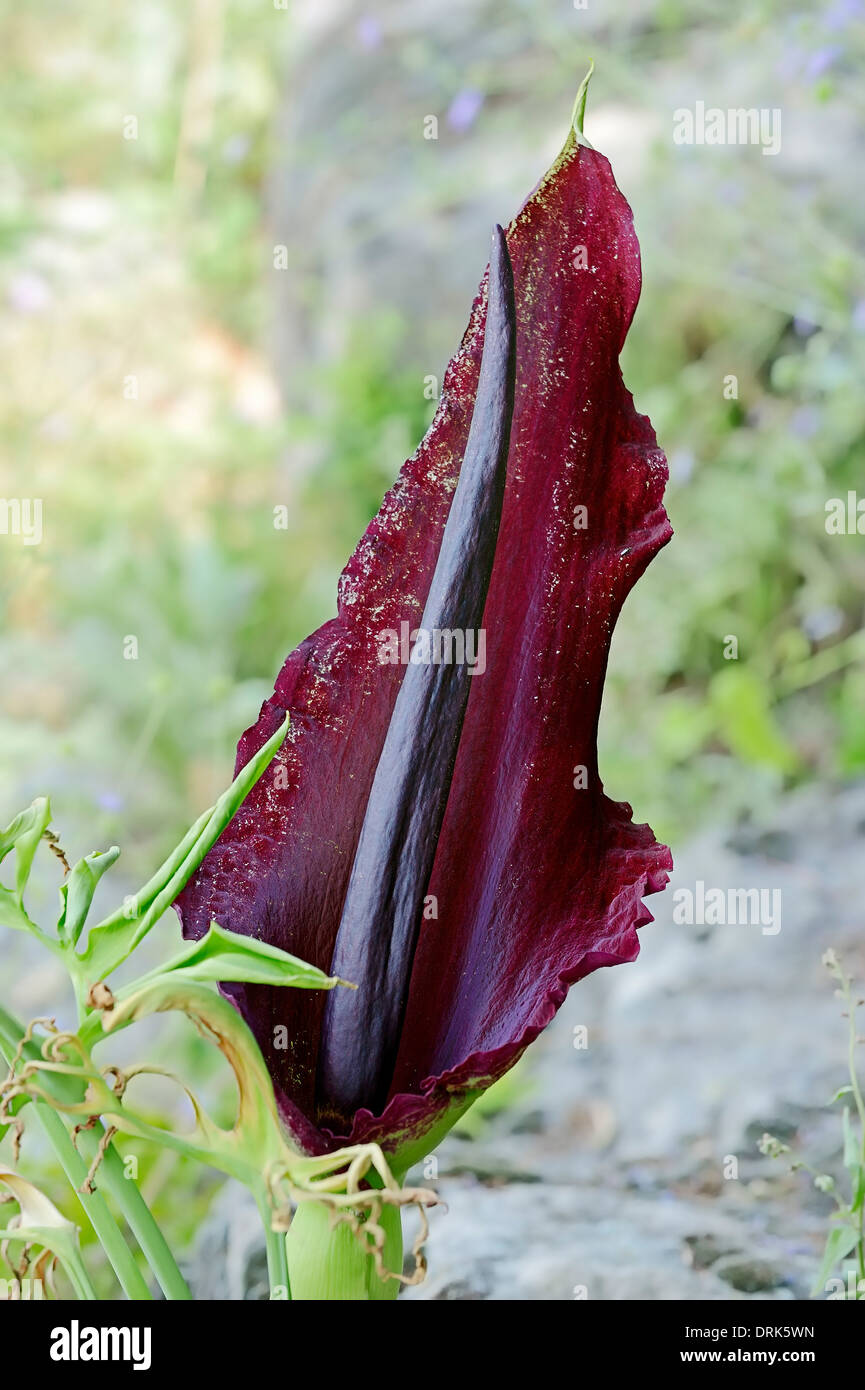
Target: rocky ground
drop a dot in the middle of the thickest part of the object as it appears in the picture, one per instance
(629, 1168)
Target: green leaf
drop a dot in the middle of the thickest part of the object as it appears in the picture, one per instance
(111, 942)
(256, 1140)
(840, 1241)
(22, 822)
(76, 894)
(24, 834)
(35, 1208)
(26, 843)
(226, 956)
(852, 1154)
(220, 956)
(12, 913)
(745, 719)
(853, 1160)
(842, 1091)
(39, 1222)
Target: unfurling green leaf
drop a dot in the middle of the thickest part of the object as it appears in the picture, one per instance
(220, 957)
(24, 834)
(223, 956)
(112, 941)
(76, 894)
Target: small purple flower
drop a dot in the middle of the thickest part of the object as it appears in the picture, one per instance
(805, 422)
(821, 623)
(821, 61)
(842, 12)
(465, 108)
(369, 33)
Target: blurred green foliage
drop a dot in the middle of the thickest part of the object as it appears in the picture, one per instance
(121, 259)
(139, 400)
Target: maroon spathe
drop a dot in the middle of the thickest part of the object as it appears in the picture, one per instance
(536, 882)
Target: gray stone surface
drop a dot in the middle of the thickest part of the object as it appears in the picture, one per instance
(629, 1169)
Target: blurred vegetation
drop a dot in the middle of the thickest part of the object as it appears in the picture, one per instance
(141, 402)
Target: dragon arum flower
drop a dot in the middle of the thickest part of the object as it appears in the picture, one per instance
(436, 832)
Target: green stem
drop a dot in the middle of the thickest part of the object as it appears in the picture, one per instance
(79, 1278)
(98, 1213)
(112, 1176)
(138, 1217)
(277, 1259)
(327, 1263)
(852, 1062)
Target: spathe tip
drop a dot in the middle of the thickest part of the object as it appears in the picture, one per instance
(578, 114)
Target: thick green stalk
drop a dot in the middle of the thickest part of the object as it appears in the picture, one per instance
(327, 1263)
(138, 1217)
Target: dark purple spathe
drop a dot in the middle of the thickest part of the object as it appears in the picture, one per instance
(538, 878)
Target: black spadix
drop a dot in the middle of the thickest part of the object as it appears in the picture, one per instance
(382, 912)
